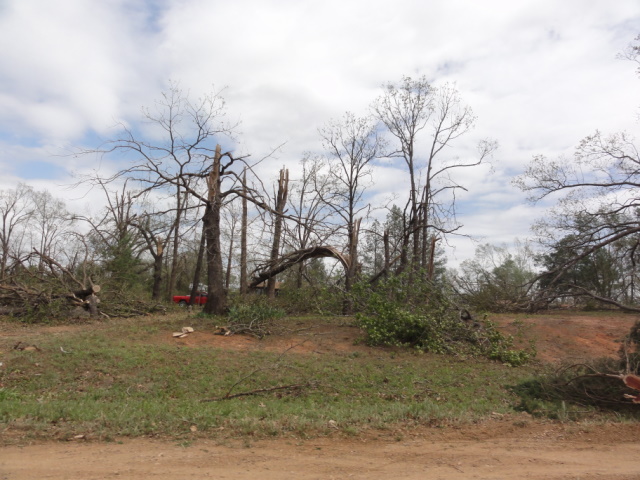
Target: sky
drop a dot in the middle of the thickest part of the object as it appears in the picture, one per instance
(539, 75)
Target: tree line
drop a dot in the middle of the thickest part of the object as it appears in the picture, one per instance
(183, 211)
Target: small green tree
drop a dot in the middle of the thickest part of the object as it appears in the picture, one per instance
(123, 269)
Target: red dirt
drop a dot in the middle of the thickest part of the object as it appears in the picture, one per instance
(506, 447)
(558, 337)
(571, 336)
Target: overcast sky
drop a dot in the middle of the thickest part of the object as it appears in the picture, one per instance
(539, 75)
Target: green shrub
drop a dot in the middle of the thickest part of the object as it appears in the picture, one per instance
(423, 318)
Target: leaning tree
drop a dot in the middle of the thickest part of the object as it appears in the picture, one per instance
(598, 192)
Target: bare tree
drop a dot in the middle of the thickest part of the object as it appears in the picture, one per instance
(413, 109)
(309, 213)
(405, 109)
(244, 227)
(16, 210)
(156, 234)
(49, 221)
(223, 183)
(232, 222)
(599, 200)
(184, 133)
(352, 144)
(184, 155)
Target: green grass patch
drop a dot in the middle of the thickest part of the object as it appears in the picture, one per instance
(117, 381)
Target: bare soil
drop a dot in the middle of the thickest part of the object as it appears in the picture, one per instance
(505, 447)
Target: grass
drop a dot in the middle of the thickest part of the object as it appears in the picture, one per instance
(118, 380)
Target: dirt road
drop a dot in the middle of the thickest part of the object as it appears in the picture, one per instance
(487, 451)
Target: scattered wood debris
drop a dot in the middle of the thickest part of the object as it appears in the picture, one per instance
(26, 347)
(223, 331)
(184, 332)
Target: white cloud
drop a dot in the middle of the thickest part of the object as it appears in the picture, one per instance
(539, 74)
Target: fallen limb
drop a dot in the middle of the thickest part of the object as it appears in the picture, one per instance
(275, 364)
(258, 391)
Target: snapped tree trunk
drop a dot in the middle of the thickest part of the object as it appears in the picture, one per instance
(156, 291)
(281, 201)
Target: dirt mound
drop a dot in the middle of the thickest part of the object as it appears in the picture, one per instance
(570, 336)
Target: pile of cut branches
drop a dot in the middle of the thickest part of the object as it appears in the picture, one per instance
(45, 288)
(606, 383)
(255, 319)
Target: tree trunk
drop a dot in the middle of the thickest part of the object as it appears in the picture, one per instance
(281, 201)
(158, 258)
(416, 230)
(176, 243)
(83, 294)
(432, 256)
(196, 274)
(351, 271)
(387, 253)
(217, 298)
(243, 239)
(299, 275)
(92, 300)
(156, 291)
(404, 250)
(227, 279)
(4, 261)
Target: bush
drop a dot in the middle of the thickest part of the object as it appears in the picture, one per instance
(423, 318)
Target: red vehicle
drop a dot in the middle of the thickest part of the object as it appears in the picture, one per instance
(183, 300)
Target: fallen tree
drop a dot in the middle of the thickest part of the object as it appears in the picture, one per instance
(51, 288)
(271, 269)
